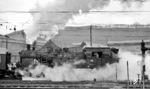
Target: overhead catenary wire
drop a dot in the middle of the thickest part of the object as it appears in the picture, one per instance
(98, 11)
(65, 12)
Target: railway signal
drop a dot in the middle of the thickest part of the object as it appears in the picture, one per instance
(143, 50)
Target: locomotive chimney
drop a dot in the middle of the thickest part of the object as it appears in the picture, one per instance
(28, 46)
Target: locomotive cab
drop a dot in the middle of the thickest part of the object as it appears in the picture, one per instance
(100, 56)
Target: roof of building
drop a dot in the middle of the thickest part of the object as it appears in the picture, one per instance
(16, 32)
(50, 44)
(17, 35)
(80, 45)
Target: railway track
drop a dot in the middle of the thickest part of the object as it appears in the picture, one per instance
(19, 84)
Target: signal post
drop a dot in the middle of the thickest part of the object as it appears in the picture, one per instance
(143, 50)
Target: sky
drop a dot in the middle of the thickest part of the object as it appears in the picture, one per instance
(46, 21)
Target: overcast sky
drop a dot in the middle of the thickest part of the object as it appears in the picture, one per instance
(50, 23)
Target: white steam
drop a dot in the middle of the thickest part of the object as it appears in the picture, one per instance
(122, 17)
(53, 22)
(68, 73)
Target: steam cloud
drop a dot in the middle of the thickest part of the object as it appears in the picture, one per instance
(94, 18)
(49, 24)
(67, 72)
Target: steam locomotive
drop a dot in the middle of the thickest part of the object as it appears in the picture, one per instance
(92, 57)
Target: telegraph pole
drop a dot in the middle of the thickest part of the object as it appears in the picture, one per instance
(116, 73)
(128, 74)
(91, 35)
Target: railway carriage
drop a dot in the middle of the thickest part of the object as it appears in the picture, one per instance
(5, 60)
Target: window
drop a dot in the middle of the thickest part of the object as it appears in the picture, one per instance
(97, 54)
